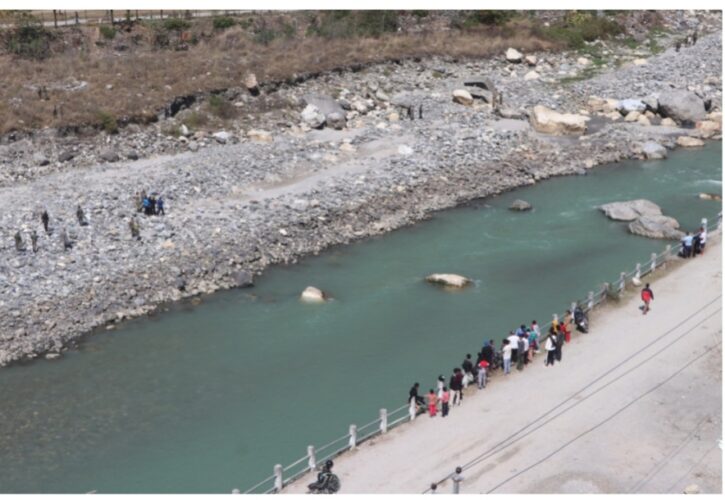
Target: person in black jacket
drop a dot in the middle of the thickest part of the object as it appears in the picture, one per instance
(414, 394)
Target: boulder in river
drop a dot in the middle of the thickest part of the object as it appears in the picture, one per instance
(520, 206)
(686, 141)
(243, 279)
(710, 196)
(630, 210)
(654, 151)
(682, 106)
(548, 121)
(451, 280)
(313, 295)
(656, 226)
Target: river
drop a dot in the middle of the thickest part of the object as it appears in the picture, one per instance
(208, 398)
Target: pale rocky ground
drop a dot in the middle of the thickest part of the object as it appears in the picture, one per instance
(665, 441)
(234, 209)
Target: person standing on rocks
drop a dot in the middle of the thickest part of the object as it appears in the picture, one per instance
(45, 218)
(81, 216)
(65, 240)
(133, 225)
(647, 296)
(34, 240)
(160, 206)
(19, 244)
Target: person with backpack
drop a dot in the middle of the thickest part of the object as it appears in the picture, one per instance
(647, 296)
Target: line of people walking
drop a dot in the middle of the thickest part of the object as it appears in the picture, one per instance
(518, 349)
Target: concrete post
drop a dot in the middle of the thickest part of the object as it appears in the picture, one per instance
(383, 420)
(573, 307)
(590, 301)
(457, 478)
(311, 461)
(703, 223)
(653, 264)
(278, 477)
(353, 436)
(412, 409)
(638, 271)
(621, 282)
(668, 248)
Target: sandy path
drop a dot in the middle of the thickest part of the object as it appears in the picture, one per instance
(651, 427)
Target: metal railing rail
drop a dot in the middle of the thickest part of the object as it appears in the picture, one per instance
(405, 413)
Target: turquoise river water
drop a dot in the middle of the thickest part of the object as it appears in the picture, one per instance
(209, 398)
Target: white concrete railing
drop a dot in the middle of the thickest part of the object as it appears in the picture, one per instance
(407, 413)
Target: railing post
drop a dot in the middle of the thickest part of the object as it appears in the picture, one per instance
(573, 307)
(278, 477)
(555, 317)
(412, 410)
(590, 301)
(311, 457)
(668, 249)
(638, 271)
(383, 420)
(620, 287)
(353, 436)
(703, 223)
(653, 265)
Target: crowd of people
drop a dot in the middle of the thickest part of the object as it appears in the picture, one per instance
(693, 244)
(151, 204)
(518, 349)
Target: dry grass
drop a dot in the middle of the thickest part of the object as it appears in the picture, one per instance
(135, 84)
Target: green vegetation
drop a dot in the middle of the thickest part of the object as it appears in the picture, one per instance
(347, 23)
(108, 32)
(466, 20)
(176, 24)
(223, 22)
(27, 38)
(420, 13)
(221, 107)
(581, 26)
(195, 120)
(265, 33)
(108, 122)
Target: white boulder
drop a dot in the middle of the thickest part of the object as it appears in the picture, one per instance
(451, 280)
(513, 55)
(548, 121)
(462, 96)
(630, 210)
(313, 295)
(686, 141)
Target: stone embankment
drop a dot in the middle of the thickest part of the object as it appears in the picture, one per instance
(273, 194)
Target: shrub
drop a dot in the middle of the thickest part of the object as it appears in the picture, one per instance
(346, 23)
(28, 38)
(223, 22)
(108, 32)
(195, 120)
(176, 24)
(580, 26)
(108, 122)
(419, 13)
(221, 107)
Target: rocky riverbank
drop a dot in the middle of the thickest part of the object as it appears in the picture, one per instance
(240, 201)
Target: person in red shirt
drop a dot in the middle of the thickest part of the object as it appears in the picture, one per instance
(647, 297)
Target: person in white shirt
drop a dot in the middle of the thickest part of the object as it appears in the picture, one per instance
(703, 239)
(514, 342)
(687, 245)
(550, 347)
(506, 351)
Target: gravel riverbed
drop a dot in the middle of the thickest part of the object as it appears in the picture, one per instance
(233, 209)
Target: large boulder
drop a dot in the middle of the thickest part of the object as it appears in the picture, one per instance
(326, 105)
(685, 141)
(336, 120)
(626, 106)
(548, 121)
(312, 116)
(682, 106)
(656, 226)
(243, 279)
(257, 135)
(449, 280)
(630, 210)
(313, 295)
(462, 96)
(222, 137)
(513, 55)
(520, 206)
(654, 151)
(109, 155)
